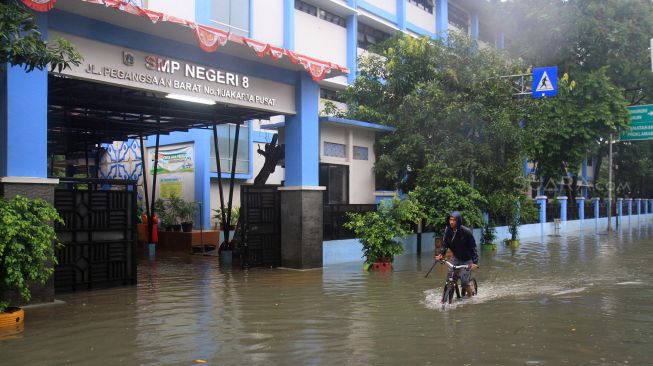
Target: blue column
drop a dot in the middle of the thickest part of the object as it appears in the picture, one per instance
(475, 25)
(645, 209)
(352, 46)
(401, 14)
(596, 202)
(525, 168)
(638, 201)
(620, 209)
(203, 12)
(541, 200)
(288, 24)
(500, 43)
(563, 208)
(651, 205)
(486, 217)
(302, 135)
(24, 118)
(442, 19)
(630, 206)
(581, 207)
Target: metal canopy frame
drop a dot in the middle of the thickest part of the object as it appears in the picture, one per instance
(85, 113)
(82, 112)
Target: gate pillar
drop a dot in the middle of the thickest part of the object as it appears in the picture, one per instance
(301, 198)
(23, 143)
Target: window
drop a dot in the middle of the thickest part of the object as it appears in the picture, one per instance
(360, 153)
(329, 94)
(336, 180)
(485, 34)
(231, 15)
(368, 36)
(335, 150)
(320, 13)
(423, 4)
(226, 136)
(459, 18)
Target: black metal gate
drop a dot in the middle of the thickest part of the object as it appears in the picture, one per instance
(261, 225)
(99, 235)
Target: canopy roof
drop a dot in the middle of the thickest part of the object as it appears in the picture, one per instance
(83, 113)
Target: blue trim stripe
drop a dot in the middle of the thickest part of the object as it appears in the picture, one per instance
(377, 11)
(419, 30)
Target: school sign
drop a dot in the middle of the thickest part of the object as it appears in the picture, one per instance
(641, 124)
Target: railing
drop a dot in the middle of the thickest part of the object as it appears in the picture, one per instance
(589, 210)
(335, 217)
(552, 211)
(572, 211)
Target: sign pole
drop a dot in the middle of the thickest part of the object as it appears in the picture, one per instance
(610, 188)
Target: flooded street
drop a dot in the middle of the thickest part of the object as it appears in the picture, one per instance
(582, 299)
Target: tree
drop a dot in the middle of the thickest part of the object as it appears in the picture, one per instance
(449, 105)
(21, 43)
(563, 129)
(587, 39)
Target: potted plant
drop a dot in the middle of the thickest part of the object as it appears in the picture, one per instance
(513, 229)
(235, 215)
(379, 231)
(488, 234)
(175, 206)
(187, 214)
(27, 255)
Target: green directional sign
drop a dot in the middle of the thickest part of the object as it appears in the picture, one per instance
(641, 124)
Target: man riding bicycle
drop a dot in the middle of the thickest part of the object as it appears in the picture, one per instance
(460, 240)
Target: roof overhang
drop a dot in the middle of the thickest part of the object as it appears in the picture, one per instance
(339, 122)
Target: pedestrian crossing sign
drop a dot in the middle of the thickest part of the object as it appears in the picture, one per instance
(545, 82)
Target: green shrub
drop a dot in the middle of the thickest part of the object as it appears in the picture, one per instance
(27, 241)
(379, 231)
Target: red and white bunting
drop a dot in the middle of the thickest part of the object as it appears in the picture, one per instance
(40, 5)
(209, 38)
(264, 49)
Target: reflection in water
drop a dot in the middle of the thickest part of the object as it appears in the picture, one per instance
(575, 299)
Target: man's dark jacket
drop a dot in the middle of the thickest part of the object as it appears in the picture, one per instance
(461, 241)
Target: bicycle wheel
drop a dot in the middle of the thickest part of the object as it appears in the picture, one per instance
(445, 294)
(474, 286)
(458, 291)
(451, 290)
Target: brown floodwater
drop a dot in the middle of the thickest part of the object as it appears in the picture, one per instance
(582, 299)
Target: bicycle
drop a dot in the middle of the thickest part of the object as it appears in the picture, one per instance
(452, 283)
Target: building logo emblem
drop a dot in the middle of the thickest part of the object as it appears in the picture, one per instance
(127, 58)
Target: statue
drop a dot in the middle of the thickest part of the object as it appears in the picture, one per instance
(272, 153)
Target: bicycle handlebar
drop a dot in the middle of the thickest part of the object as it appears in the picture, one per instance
(465, 266)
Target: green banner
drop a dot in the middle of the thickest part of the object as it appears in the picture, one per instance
(641, 124)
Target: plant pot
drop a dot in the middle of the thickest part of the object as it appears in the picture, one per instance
(187, 227)
(168, 227)
(489, 247)
(12, 321)
(513, 243)
(382, 266)
(176, 227)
